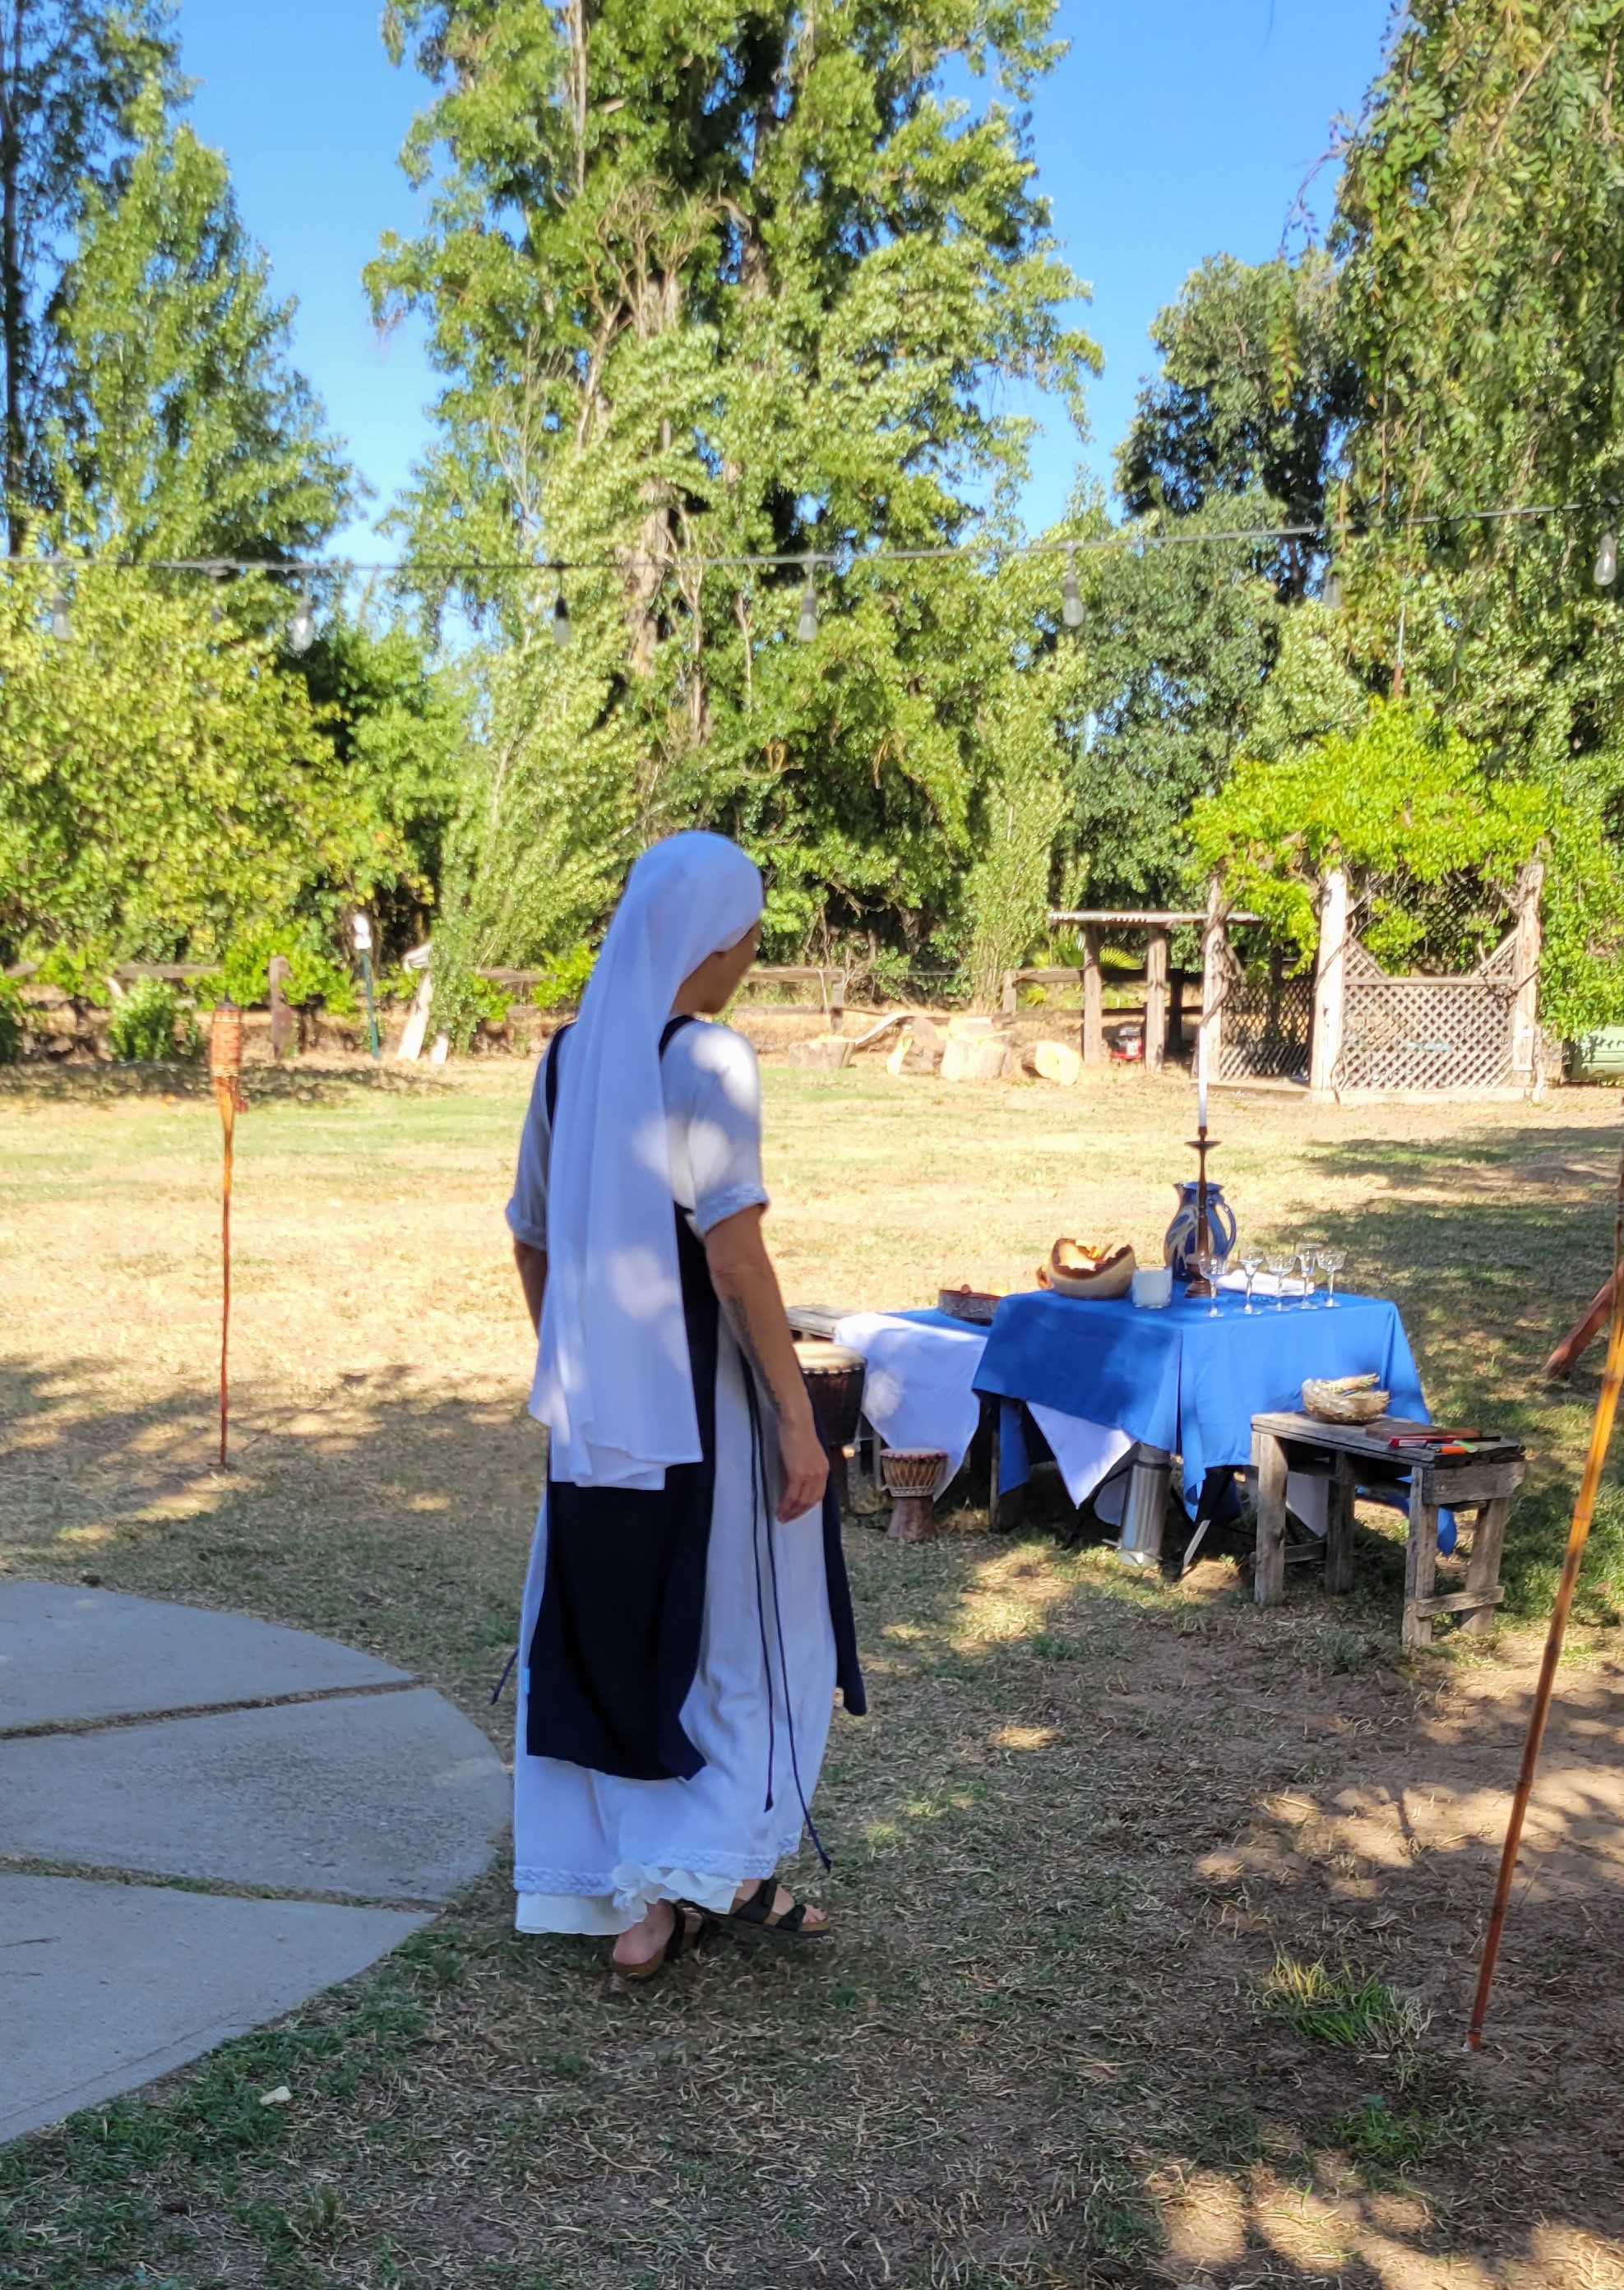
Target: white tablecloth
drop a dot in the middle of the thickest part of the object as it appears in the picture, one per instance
(920, 1392)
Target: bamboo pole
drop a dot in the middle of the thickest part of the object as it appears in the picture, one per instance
(1601, 1434)
(226, 1072)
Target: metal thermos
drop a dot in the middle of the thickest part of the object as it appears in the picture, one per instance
(1145, 1513)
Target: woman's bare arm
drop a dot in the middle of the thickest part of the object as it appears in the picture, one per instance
(746, 1286)
(532, 1275)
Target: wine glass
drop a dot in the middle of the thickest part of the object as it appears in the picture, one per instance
(1282, 1262)
(1307, 1260)
(1331, 1261)
(1251, 1264)
(1211, 1263)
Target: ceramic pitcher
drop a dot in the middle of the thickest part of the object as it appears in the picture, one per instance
(1180, 1244)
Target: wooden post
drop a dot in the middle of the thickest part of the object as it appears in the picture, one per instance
(226, 1071)
(1420, 1559)
(1093, 999)
(1214, 976)
(1525, 1059)
(1011, 1000)
(1269, 1465)
(1175, 1013)
(1330, 984)
(277, 973)
(1483, 1567)
(1155, 1001)
(1340, 1528)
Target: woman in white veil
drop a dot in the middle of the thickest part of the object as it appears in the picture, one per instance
(686, 1618)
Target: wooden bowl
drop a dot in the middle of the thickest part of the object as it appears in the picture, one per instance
(976, 1305)
(1097, 1274)
(1344, 1399)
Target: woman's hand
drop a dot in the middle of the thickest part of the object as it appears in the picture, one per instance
(806, 1465)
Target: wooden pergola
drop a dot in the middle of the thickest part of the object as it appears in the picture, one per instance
(1164, 986)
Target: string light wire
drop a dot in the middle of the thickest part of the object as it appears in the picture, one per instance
(857, 559)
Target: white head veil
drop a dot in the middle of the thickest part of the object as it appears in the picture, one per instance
(613, 1379)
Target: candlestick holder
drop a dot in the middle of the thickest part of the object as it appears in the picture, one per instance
(1201, 1144)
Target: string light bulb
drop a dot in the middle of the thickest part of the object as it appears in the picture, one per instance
(806, 627)
(1607, 560)
(561, 629)
(1071, 596)
(301, 633)
(61, 622)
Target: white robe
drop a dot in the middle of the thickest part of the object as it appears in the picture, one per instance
(592, 1851)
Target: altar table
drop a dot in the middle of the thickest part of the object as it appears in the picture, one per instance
(1180, 1378)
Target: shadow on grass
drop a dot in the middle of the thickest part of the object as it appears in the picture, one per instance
(1092, 1832)
(300, 1083)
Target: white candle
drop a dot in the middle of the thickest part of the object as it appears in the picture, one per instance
(1201, 1078)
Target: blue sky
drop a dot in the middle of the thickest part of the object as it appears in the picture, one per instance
(1168, 131)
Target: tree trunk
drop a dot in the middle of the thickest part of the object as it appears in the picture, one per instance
(13, 321)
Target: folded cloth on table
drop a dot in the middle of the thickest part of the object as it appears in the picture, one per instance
(920, 1387)
(1268, 1284)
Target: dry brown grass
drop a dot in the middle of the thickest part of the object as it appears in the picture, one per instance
(1093, 1831)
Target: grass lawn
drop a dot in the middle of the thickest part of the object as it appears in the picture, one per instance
(1157, 1916)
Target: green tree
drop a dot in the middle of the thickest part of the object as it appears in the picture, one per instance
(711, 286)
(1256, 393)
(166, 785)
(1178, 640)
(186, 430)
(400, 729)
(69, 72)
(1478, 229)
(1478, 232)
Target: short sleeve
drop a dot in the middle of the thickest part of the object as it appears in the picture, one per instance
(724, 1122)
(527, 1209)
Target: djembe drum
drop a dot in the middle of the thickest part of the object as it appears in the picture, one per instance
(835, 1385)
(911, 1474)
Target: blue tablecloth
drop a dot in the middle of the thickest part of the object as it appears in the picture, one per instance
(1180, 1379)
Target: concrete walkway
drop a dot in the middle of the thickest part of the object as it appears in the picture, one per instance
(145, 1745)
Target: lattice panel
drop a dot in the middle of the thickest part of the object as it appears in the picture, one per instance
(1426, 1033)
(1265, 1028)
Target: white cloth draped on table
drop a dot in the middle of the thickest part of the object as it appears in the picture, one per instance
(920, 1392)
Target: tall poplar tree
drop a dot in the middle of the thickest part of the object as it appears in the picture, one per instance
(69, 72)
(718, 282)
(185, 429)
(1481, 235)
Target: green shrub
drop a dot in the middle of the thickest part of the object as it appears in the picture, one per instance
(149, 1024)
(315, 975)
(79, 971)
(12, 1023)
(491, 1003)
(565, 978)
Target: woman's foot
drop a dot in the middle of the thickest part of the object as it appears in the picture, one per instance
(645, 1948)
(761, 1902)
(646, 1941)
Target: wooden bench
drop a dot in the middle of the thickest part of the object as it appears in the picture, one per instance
(1354, 1455)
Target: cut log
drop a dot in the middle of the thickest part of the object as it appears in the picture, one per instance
(827, 1053)
(972, 1059)
(920, 1049)
(965, 1025)
(879, 1029)
(1052, 1061)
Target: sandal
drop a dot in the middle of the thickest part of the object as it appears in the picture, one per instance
(690, 1929)
(791, 1925)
